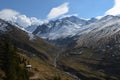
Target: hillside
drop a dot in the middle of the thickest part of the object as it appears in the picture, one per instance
(90, 65)
(34, 51)
(27, 41)
(89, 52)
(95, 53)
(13, 65)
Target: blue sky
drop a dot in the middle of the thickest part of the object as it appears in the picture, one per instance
(42, 8)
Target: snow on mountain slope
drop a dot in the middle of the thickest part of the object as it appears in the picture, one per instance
(6, 27)
(105, 23)
(100, 32)
(31, 36)
(31, 28)
(86, 32)
(3, 26)
(75, 20)
(62, 28)
(68, 29)
(98, 25)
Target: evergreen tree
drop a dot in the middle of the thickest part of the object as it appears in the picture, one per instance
(12, 62)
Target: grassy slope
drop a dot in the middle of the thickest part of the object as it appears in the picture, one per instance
(43, 71)
(88, 66)
(36, 46)
(38, 52)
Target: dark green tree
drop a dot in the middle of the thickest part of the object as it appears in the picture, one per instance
(11, 62)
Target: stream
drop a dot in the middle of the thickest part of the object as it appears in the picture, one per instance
(57, 56)
(76, 78)
(67, 72)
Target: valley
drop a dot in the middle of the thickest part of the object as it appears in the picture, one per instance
(66, 49)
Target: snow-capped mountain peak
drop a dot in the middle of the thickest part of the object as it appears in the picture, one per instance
(20, 20)
(62, 28)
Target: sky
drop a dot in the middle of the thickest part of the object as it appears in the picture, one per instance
(33, 11)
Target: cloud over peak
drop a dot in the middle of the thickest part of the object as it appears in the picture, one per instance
(58, 11)
(115, 10)
(8, 14)
(20, 19)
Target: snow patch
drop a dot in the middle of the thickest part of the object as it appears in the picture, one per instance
(3, 27)
(31, 36)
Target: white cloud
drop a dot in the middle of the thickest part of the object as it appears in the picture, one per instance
(58, 11)
(99, 17)
(22, 20)
(63, 16)
(36, 21)
(115, 10)
(8, 14)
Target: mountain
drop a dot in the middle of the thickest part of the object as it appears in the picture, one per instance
(29, 50)
(31, 28)
(100, 32)
(55, 31)
(66, 30)
(62, 29)
(24, 39)
(90, 47)
(95, 53)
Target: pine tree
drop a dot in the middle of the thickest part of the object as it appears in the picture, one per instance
(11, 64)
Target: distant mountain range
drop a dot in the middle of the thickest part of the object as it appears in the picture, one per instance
(62, 28)
(66, 30)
